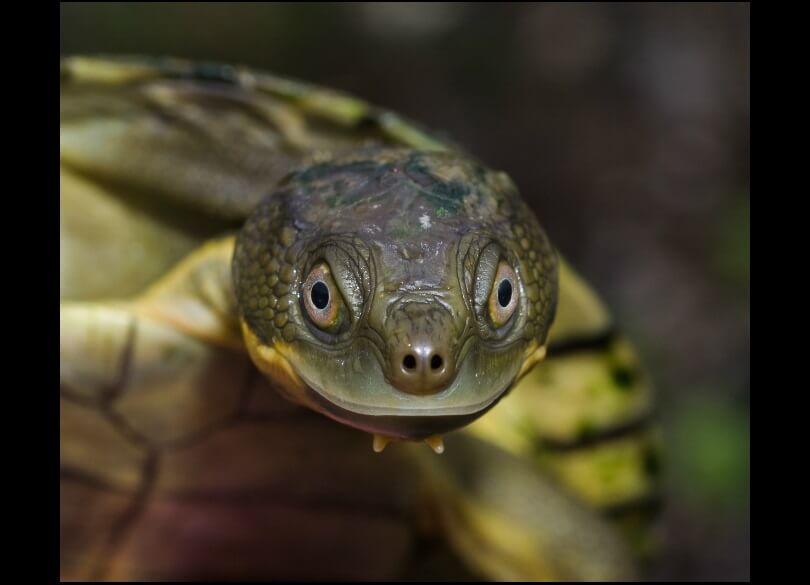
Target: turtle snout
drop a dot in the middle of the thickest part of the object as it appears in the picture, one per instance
(422, 360)
(422, 368)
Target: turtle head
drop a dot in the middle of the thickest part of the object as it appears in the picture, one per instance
(401, 292)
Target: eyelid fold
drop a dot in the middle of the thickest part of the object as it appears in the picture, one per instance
(352, 271)
(485, 269)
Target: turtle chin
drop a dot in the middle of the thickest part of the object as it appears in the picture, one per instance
(354, 390)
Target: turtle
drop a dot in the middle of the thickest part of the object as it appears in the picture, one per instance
(303, 337)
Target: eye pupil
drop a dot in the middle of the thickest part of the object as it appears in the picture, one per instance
(319, 295)
(504, 293)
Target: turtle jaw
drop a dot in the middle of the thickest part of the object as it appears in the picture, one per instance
(353, 388)
(362, 398)
(410, 427)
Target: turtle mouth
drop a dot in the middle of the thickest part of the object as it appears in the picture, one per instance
(351, 387)
(403, 423)
(367, 401)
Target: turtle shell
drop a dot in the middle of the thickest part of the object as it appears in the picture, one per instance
(158, 155)
(195, 448)
(180, 460)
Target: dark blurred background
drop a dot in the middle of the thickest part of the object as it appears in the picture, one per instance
(626, 126)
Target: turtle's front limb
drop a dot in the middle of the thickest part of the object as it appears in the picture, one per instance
(173, 333)
(180, 462)
(191, 306)
(130, 388)
(510, 522)
(137, 377)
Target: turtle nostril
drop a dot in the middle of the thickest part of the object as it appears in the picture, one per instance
(409, 362)
(421, 369)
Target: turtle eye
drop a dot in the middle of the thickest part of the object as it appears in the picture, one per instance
(504, 296)
(322, 299)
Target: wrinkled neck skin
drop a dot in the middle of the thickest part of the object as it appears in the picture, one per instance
(420, 335)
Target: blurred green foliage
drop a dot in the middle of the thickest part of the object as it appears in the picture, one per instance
(733, 253)
(709, 451)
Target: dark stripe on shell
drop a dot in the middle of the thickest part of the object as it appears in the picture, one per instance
(597, 341)
(648, 504)
(595, 437)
